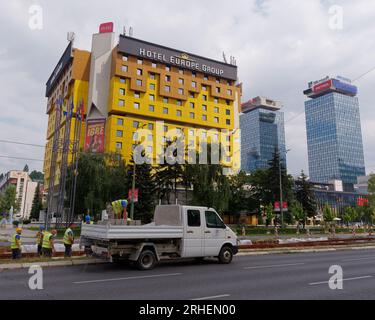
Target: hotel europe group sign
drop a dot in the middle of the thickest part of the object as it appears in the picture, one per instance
(157, 53)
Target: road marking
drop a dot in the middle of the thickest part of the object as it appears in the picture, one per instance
(348, 279)
(130, 278)
(358, 259)
(212, 297)
(275, 266)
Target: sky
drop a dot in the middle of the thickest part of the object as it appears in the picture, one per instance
(279, 45)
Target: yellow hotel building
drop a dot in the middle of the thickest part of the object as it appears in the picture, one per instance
(126, 84)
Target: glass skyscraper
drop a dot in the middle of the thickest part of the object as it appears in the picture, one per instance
(262, 131)
(334, 137)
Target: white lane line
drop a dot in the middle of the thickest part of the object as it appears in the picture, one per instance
(358, 259)
(129, 278)
(276, 266)
(348, 279)
(213, 297)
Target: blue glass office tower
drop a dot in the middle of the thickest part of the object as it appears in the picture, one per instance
(262, 131)
(334, 137)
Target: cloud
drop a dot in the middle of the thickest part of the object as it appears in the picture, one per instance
(280, 45)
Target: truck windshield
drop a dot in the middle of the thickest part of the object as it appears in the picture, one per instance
(213, 220)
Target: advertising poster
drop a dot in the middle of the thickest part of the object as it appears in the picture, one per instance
(95, 134)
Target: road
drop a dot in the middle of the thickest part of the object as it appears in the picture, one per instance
(276, 276)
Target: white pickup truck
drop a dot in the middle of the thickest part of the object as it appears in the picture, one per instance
(177, 232)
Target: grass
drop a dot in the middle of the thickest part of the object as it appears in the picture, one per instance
(31, 260)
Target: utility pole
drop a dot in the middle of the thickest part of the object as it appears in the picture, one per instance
(133, 190)
(281, 189)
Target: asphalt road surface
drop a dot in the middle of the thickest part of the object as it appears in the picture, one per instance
(277, 276)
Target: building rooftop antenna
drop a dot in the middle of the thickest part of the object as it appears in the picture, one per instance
(131, 32)
(124, 31)
(70, 36)
(224, 57)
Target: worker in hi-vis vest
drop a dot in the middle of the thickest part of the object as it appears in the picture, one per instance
(16, 244)
(68, 241)
(119, 208)
(39, 239)
(48, 247)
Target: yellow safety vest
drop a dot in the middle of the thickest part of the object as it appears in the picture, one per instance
(46, 244)
(117, 206)
(66, 236)
(39, 237)
(13, 244)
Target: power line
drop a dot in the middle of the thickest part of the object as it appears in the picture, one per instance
(22, 143)
(19, 158)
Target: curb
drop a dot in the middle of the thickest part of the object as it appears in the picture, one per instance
(12, 266)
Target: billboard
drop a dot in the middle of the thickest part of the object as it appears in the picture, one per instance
(106, 27)
(345, 87)
(322, 86)
(95, 135)
(157, 53)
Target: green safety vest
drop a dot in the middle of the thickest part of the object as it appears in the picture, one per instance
(47, 236)
(66, 236)
(13, 244)
(117, 206)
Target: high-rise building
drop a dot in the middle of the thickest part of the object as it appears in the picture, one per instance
(125, 84)
(334, 137)
(262, 132)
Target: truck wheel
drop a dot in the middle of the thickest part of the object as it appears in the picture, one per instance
(225, 255)
(146, 260)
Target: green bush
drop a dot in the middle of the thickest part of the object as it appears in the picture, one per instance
(16, 223)
(27, 221)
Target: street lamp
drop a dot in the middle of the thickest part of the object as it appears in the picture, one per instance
(281, 189)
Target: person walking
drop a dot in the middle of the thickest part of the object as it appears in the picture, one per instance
(39, 239)
(68, 241)
(16, 244)
(48, 247)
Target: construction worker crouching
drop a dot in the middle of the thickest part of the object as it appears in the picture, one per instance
(39, 239)
(16, 244)
(48, 247)
(68, 241)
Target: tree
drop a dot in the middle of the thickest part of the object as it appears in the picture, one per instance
(350, 214)
(371, 191)
(36, 176)
(26, 168)
(298, 213)
(328, 214)
(260, 187)
(270, 214)
(37, 204)
(304, 195)
(9, 199)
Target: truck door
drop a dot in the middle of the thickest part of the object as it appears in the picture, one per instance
(193, 238)
(214, 233)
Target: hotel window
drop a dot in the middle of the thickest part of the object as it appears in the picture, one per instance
(205, 77)
(120, 122)
(204, 107)
(151, 97)
(167, 68)
(192, 105)
(180, 91)
(139, 82)
(193, 84)
(135, 136)
(124, 68)
(192, 115)
(136, 105)
(118, 145)
(139, 72)
(180, 71)
(153, 65)
(227, 102)
(228, 159)
(121, 103)
(227, 112)
(181, 81)
(122, 80)
(216, 119)
(192, 95)
(217, 80)
(150, 126)
(139, 61)
(165, 110)
(204, 97)
(135, 124)
(119, 133)
(217, 90)
(151, 108)
(216, 110)
(178, 113)
(149, 137)
(229, 83)
(165, 128)
(165, 100)
(124, 58)
(168, 78)
(137, 94)
(227, 122)
(229, 92)
(152, 86)
(193, 74)
(216, 100)
(167, 89)
(152, 76)
(204, 88)
(122, 92)
(179, 102)
(204, 117)
(191, 132)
